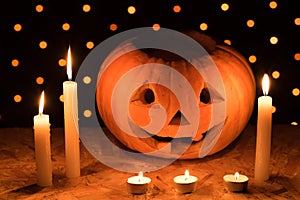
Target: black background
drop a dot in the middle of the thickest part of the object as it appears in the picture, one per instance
(94, 26)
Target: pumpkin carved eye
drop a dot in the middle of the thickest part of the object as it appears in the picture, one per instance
(148, 96)
(205, 96)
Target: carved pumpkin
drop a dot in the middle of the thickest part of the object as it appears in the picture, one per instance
(239, 86)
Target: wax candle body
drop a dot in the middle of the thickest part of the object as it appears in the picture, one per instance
(263, 138)
(42, 149)
(72, 152)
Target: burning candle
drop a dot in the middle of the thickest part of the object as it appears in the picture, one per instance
(263, 137)
(236, 182)
(72, 152)
(42, 146)
(185, 183)
(138, 184)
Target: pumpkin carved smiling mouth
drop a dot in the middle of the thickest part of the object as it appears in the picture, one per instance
(169, 139)
(175, 145)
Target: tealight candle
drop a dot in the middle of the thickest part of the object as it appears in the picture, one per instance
(185, 183)
(138, 184)
(236, 182)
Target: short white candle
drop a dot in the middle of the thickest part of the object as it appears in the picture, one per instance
(236, 182)
(138, 184)
(72, 151)
(185, 183)
(42, 146)
(263, 137)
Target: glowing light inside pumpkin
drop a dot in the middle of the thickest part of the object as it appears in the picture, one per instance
(140, 176)
(265, 84)
(42, 101)
(186, 174)
(236, 176)
(69, 64)
(18, 27)
(275, 74)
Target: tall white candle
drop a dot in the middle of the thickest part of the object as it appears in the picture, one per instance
(263, 137)
(72, 151)
(42, 146)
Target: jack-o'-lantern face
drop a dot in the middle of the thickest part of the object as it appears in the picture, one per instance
(149, 95)
(154, 101)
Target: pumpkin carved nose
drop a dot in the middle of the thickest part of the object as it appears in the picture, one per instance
(176, 120)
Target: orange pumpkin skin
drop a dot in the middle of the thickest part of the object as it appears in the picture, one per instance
(239, 85)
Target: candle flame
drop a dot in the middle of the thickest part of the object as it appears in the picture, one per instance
(265, 84)
(69, 64)
(186, 174)
(140, 176)
(236, 175)
(41, 106)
